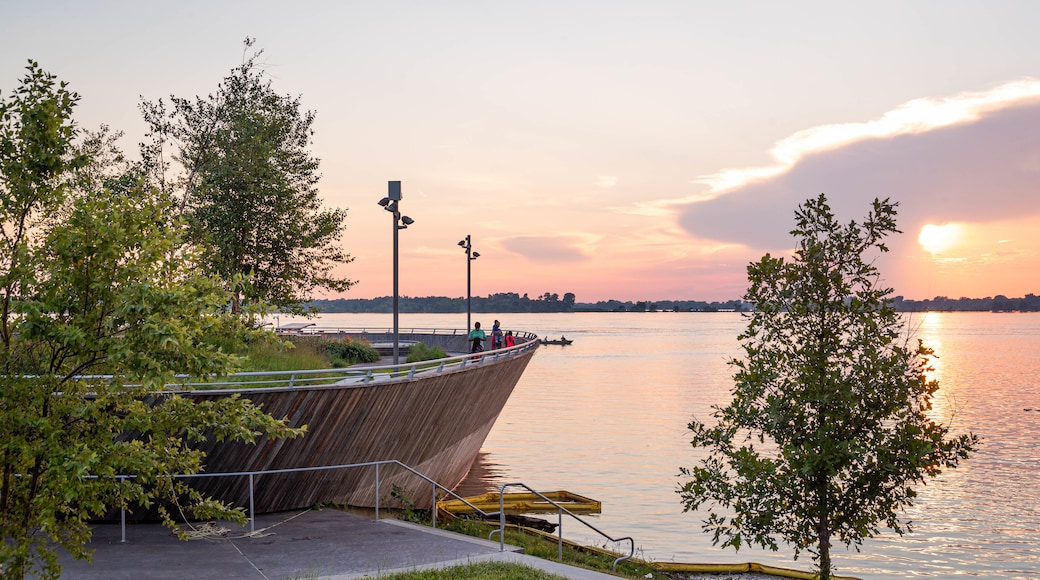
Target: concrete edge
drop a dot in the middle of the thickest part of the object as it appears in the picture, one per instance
(564, 570)
(491, 544)
(512, 554)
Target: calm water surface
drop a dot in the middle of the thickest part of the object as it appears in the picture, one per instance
(606, 417)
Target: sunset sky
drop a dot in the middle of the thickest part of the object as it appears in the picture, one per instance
(632, 150)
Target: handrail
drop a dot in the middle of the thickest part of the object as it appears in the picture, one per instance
(433, 510)
(361, 375)
(348, 330)
(253, 474)
(433, 505)
(560, 510)
(526, 341)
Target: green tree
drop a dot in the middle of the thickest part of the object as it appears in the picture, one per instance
(248, 188)
(95, 282)
(568, 301)
(829, 427)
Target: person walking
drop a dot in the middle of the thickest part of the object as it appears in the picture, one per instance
(476, 337)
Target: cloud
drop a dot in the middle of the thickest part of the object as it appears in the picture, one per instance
(606, 181)
(916, 116)
(645, 209)
(546, 248)
(970, 158)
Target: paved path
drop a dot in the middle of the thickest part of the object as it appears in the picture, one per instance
(314, 544)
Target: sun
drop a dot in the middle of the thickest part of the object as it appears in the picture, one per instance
(937, 239)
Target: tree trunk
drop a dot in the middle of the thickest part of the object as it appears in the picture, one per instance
(824, 534)
(823, 527)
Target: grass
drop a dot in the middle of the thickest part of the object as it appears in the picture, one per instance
(484, 570)
(297, 353)
(304, 353)
(420, 352)
(547, 549)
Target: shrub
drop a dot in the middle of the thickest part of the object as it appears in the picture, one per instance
(349, 351)
(420, 352)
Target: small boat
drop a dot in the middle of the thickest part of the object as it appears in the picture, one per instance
(562, 341)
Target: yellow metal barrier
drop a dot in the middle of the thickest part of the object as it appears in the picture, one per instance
(737, 568)
(693, 568)
(523, 503)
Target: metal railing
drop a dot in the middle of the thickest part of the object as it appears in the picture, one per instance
(434, 487)
(560, 510)
(360, 330)
(354, 375)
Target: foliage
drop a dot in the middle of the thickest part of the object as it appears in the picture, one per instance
(500, 302)
(349, 351)
(248, 188)
(93, 283)
(829, 426)
(999, 303)
(300, 353)
(420, 352)
(512, 302)
(283, 356)
(539, 546)
(406, 506)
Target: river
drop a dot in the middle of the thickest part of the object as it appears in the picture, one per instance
(606, 418)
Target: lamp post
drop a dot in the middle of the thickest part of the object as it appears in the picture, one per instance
(390, 203)
(470, 256)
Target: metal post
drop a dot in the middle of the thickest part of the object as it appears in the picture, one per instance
(122, 513)
(252, 514)
(467, 244)
(559, 526)
(469, 284)
(391, 203)
(397, 216)
(377, 492)
(502, 518)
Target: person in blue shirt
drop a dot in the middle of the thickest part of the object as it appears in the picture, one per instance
(496, 335)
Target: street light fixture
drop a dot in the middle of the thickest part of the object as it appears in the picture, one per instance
(390, 204)
(470, 256)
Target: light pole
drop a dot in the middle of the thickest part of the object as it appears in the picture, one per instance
(390, 203)
(470, 256)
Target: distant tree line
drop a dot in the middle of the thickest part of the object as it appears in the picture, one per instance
(998, 303)
(665, 306)
(513, 302)
(551, 302)
(502, 302)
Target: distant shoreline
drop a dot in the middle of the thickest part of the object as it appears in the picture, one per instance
(548, 303)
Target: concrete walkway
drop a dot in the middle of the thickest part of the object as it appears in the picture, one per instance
(313, 544)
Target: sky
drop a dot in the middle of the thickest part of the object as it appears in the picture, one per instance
(616, 150)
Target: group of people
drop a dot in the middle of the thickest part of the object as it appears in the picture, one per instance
(498, 339)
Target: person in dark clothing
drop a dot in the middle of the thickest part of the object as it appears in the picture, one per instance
(476, 337)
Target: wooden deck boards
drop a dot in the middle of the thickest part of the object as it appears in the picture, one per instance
(435, 423)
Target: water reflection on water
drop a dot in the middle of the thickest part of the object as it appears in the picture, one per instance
(606, 417)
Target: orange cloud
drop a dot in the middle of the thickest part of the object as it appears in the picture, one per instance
(973, 159)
